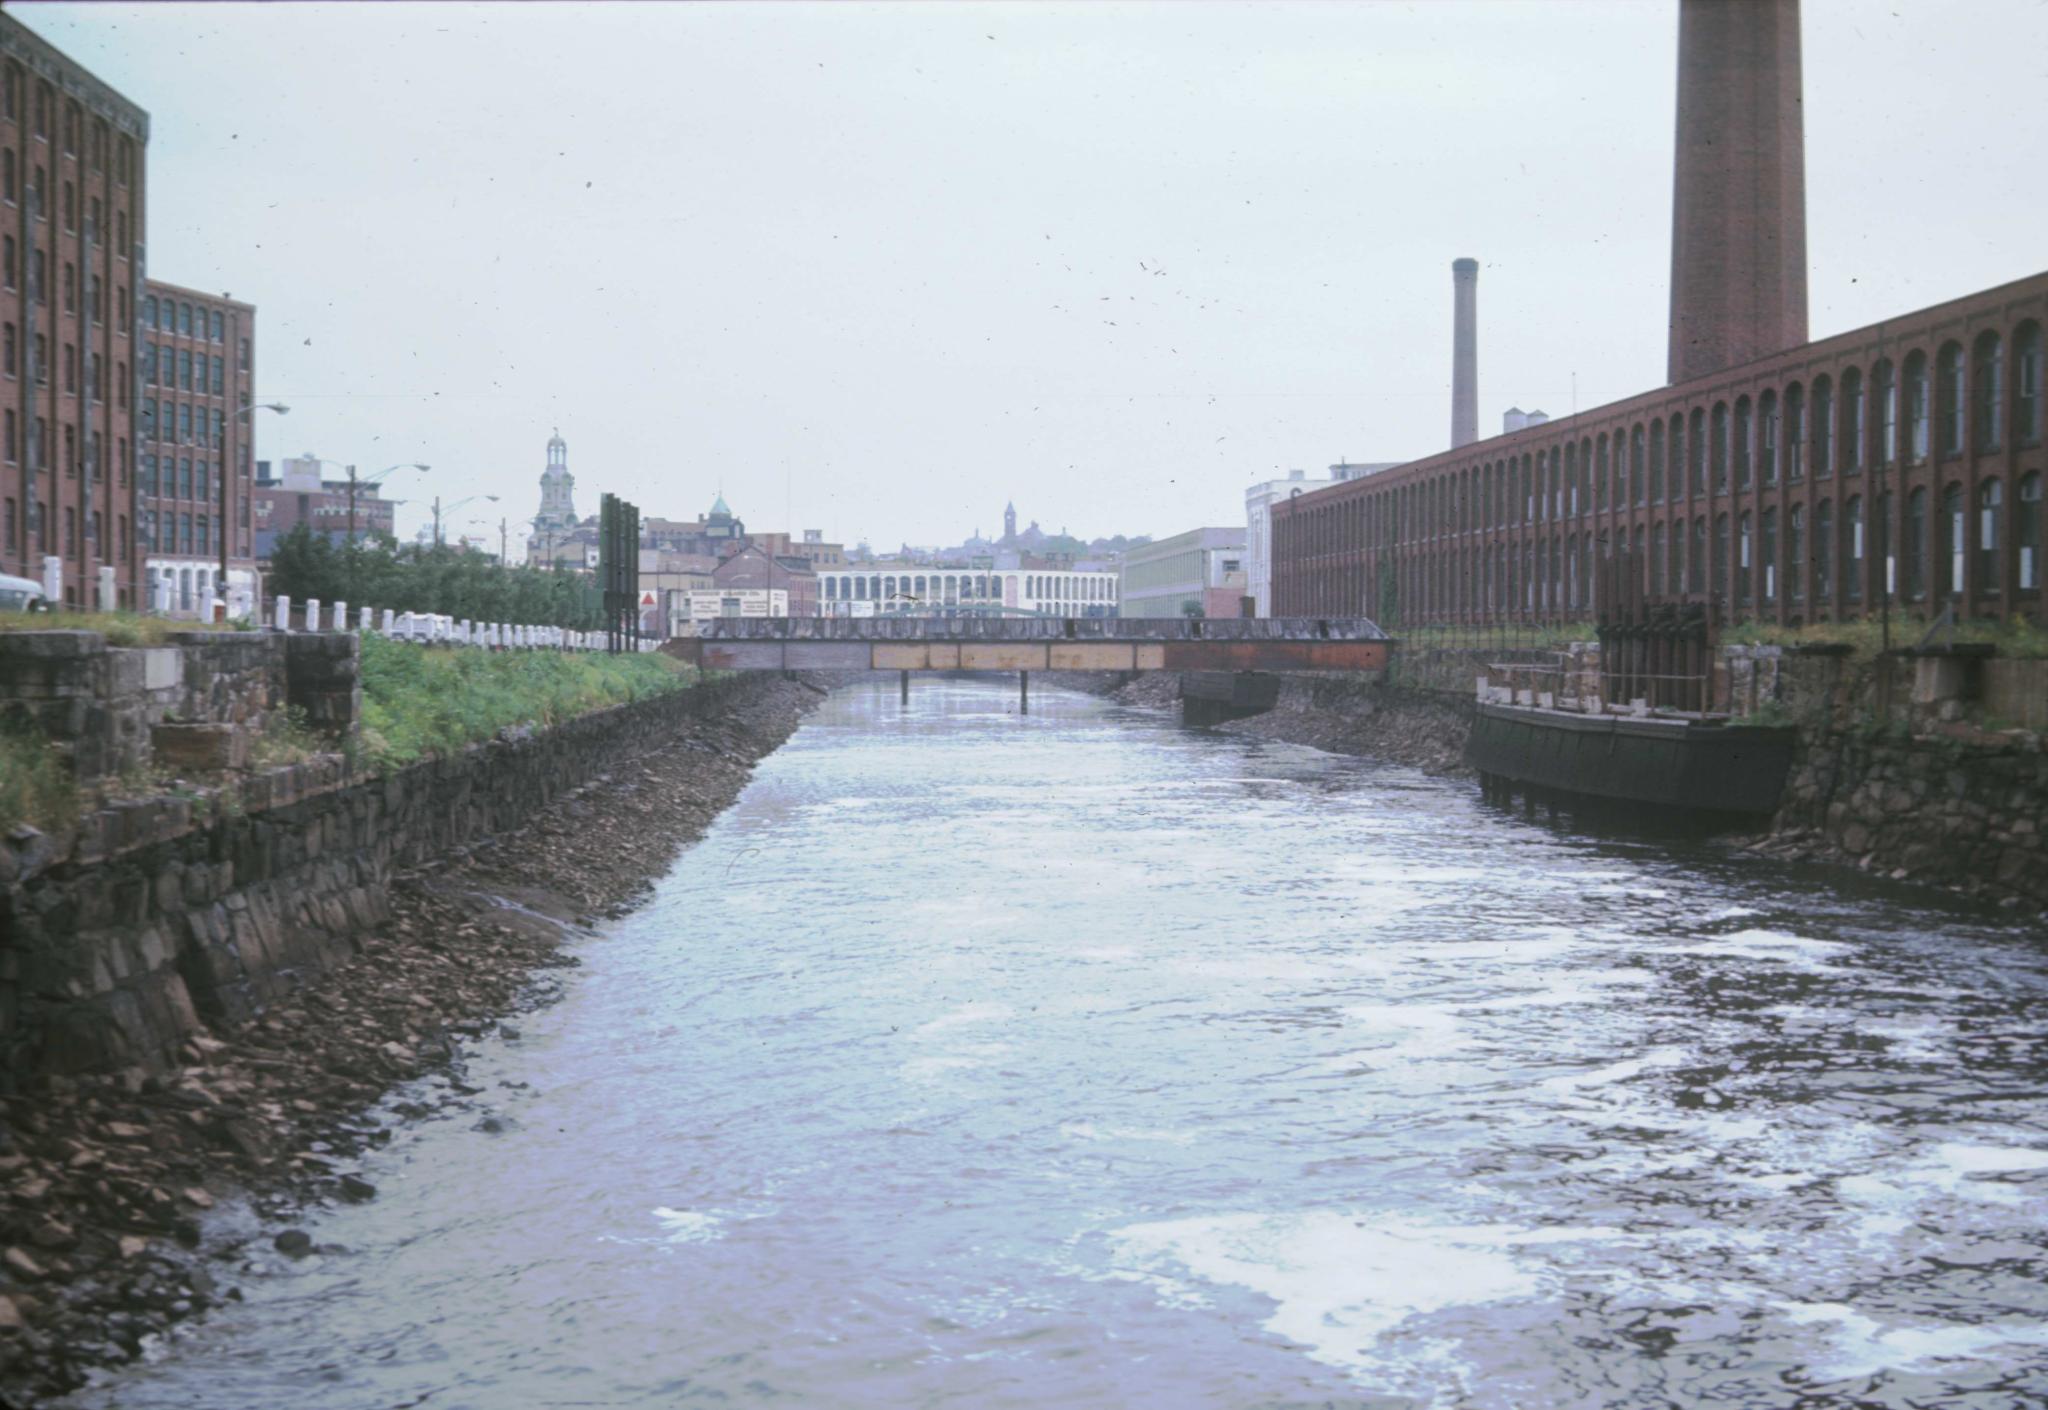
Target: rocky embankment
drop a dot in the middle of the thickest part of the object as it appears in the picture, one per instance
(105, 1182)
(1342, 714)
(1347, 716)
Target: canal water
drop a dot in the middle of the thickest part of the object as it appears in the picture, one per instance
(1078, 1060)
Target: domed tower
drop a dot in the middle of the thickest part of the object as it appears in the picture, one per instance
(557, 488)
(556, 521)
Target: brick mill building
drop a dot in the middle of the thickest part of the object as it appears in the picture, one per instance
(196, 476)
(1774, 478)
(71, 242)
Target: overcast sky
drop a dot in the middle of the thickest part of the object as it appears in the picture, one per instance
(877, 269)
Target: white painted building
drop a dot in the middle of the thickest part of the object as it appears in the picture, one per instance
(905, 588)
(1258, 532)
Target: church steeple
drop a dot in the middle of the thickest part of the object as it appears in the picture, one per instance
(1009, 521)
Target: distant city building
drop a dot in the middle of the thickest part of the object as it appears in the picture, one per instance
(1196, 574)
(916, 589)
(753, 583)
(297, 493)
(72, 150)
(196, 474)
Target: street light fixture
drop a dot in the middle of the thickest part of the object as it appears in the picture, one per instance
(439, 511)
(226, 521)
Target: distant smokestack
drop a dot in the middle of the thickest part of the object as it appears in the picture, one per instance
(1738, 210)
(1464, 352)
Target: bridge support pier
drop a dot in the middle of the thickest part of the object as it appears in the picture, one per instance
(1023, 692)
(905, 697)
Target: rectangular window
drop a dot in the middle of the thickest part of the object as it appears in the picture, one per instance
(220, 382)
(219, 325)
(7, 354)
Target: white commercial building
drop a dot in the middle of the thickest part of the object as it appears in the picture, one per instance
(1258, 532)
(890, 588)
(1258, 520)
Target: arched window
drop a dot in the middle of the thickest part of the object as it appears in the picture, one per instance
(1823, 428)
(1948, 371)
(1583, 503)
(1795, 555)
(1767, 438)
(1918, 432)
(1635, 465)
(1720, 448)
(1884, 385)
(1674, 561)
(1571, 481)
(1852, 533)
(1987, 392)
(1824, 552)
(1696, 454)
(1656, 558)
(1678, 458)
(1656, 460)
(1696, 560)
(1795, 434)
(1744, 563)
(1914, 549)
(1990, 509)
(1719, 585)
(1743, 454)
(1852, 422)
(1954, 522)
(2026, 368)
(2029, 535)
(1767, 554)
(1600, 472)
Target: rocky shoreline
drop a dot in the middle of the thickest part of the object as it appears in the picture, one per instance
(105, 1182)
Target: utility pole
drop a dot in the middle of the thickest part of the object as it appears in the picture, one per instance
(437, 521)
(503, 562)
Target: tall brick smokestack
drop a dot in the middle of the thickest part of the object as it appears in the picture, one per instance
(1464, 352)
(1738, 211)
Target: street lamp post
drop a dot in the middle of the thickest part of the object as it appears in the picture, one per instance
(228, 469)
(439, 511)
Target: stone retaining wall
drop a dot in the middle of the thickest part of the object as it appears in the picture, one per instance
(119, 938)
(191, 704)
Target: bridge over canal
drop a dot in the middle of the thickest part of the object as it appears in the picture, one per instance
(1025, 645)
(1034, 644)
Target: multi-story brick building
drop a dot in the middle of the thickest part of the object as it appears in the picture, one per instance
(297, 491)
(1774, 490)
(71, 252)
(195, 359)
(1899, 465)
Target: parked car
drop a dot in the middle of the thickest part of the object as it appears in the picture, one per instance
(22, 595)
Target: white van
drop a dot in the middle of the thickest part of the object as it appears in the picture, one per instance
(22, 595)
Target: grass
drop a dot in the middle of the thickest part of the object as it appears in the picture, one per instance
(119, 628)
(2018, 638)
(35, 781)
(1529, 636)
(419, 701)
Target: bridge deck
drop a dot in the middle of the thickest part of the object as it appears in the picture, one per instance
(1053, 644)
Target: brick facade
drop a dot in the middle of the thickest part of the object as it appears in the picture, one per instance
(71, 251)
(1767, 490)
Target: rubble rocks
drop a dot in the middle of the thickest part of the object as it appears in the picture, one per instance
(106, 1180)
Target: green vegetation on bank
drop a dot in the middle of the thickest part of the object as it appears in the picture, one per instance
(35, 781)
(453, 579)
(119, 628)
(419, 701)
(2019, 638)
